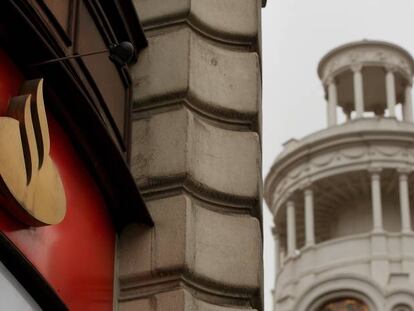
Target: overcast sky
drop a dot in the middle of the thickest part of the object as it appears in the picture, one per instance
(296, 34)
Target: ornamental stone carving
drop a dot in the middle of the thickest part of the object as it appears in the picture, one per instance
(371, 53)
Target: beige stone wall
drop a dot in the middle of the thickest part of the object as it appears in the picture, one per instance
(196, 156)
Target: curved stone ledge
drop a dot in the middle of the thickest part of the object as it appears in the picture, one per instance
(224, 118)
(380, 258)
(210, 250)
(177, 143)
(232, 21)
(353, 146)
(178, 299)
(139, 288)
(161, 187)
(222, 83)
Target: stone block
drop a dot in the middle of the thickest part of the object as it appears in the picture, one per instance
(228, 249)
(177, 300)
(148, 251)
(223, 78)
(181, 63)
(146, 304)
(224, 160)
(159, 145)
(212, 246)
(172, 232)
(162, 68)
(179, 143)
(134, 252)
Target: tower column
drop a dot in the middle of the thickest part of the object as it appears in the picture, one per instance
(390, 88)
(376, 200)
(277, 249)
(408, 105)
(332, 102)
(282, 255)
(291, 228)
(309, 218)
(358, 90)
(404, 201)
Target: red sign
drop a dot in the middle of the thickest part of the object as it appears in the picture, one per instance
(77, 255)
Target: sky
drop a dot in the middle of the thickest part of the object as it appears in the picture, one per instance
(295, 36)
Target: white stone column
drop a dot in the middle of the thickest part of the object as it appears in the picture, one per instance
(358, 90)
(390, 88)
(282, 256)
(277, 252)
(404, 201)
(291, 228)
(332, 102)
(347, 111)
(376, 200)
(309, 218)
(408, 104)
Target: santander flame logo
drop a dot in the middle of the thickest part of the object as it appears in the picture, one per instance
(30, 185)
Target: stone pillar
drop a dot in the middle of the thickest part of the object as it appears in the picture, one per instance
(332, 102)
(291, 228)
(376, 200)
(390, 89)
(282, 256)
(277, 252)
(404, 201)
(199, 173)
(309, 218)
(408, 104)
(347, 111)
(358, 90)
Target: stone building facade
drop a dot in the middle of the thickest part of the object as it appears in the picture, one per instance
(130, 171)
(342, 197)
(196, 157)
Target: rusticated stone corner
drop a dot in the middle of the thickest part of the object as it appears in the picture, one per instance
(196, 156)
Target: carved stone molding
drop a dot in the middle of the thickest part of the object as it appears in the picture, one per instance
(366, 53)
(315, 159)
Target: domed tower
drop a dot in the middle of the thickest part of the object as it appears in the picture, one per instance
(342, 198)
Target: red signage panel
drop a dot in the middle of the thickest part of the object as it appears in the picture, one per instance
(77, 255)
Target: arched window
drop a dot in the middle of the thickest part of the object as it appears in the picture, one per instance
(402, 307)
(344, 304)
